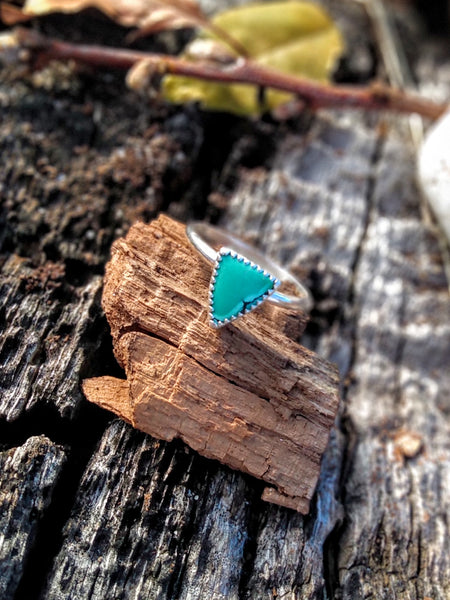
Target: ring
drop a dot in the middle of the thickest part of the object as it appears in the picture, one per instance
(242, 276)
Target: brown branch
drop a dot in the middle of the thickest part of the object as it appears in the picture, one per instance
(316, 95)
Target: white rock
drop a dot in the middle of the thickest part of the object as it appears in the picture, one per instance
(434, 170)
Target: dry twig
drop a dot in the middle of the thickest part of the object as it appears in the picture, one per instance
(377, 96)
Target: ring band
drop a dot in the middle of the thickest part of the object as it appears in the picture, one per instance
(242, 276)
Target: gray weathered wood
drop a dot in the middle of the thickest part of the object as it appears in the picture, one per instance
(28, 475)
(395, 261)
(397, 505)
(310, 211)
(336, 200)
(72, 178)
(151, 521)
(42, 348)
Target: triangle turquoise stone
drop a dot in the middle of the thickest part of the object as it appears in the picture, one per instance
(238, 286)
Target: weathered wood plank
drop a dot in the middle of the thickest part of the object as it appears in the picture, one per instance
(397, 501)
(246, 394)
(76, 170)
(44, 326)
(151, 520)
(28, 475)
(379, 522)
(400, 274)
(310, 210)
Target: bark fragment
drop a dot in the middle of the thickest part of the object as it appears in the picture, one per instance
(246, 395)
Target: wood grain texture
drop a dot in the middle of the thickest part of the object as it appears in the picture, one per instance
(28, 475)
(246, 395)
(43, 322)
(65, 197)
(391, 343)
(400, 389)
(298, 211)
(333, 197)
(149, 529)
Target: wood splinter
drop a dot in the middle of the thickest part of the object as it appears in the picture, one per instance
(247, 395)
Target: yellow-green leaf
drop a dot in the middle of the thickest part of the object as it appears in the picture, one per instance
(293, 37)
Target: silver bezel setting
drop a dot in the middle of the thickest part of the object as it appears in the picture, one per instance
(224, 251)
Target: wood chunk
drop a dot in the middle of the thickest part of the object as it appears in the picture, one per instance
(246, 395)
(28, 475)
(112, 394)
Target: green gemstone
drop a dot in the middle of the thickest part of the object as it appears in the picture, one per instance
(238, 287)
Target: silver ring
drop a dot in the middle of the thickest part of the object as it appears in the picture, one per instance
(242, 276)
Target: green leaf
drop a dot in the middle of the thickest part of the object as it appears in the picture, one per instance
(294, 37)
